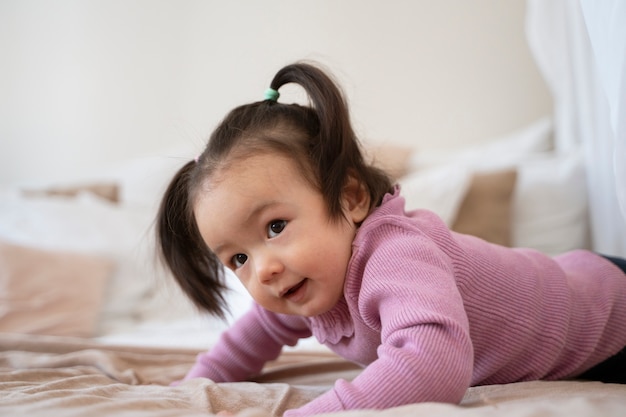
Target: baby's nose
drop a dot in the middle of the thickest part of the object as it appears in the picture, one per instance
(268, 268)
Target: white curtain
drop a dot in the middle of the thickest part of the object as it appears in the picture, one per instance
(580, 47)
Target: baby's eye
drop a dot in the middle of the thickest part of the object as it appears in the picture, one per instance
(239, 259)
(275, 227)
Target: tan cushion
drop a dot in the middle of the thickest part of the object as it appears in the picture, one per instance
(52, 293)
(486, 209)
(393, 159)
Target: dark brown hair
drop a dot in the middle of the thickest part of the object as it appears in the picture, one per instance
(320, 139)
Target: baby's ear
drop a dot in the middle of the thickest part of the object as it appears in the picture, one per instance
(355, 200)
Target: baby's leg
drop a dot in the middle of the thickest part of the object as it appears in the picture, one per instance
(620, 262)
(613, 369)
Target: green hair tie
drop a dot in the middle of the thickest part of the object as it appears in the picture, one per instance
(271, 94)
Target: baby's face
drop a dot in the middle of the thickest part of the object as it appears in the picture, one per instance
(264, 221)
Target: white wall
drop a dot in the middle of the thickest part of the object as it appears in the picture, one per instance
(85, 84)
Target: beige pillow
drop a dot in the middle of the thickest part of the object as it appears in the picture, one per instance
(393, 159)
(52, 293)
(106, 191)
(486, 209)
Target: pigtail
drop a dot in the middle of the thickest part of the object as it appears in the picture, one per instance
(195, 268)
(335, 152)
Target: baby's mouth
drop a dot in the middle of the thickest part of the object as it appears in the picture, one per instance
(293, 289)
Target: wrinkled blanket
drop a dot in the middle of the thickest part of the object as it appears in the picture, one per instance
(55, 376)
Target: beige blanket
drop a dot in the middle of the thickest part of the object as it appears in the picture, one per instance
(54, 376)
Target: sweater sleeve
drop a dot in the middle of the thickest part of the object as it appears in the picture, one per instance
(407, 293)
(242, 350)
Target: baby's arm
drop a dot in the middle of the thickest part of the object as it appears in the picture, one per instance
(243, 349)
(425, 352)
(437, 370)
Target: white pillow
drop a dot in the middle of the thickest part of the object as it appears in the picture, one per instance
(550, 211)
(143, 180)
(500, 153)
(440, 189)
(439, 180)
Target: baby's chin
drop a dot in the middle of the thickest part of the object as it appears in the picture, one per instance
(302, 311)
(318, 310)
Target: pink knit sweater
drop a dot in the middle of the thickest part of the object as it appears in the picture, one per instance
(429, 313)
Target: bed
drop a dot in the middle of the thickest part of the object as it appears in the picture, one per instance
(91, 324)
(62, 376)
